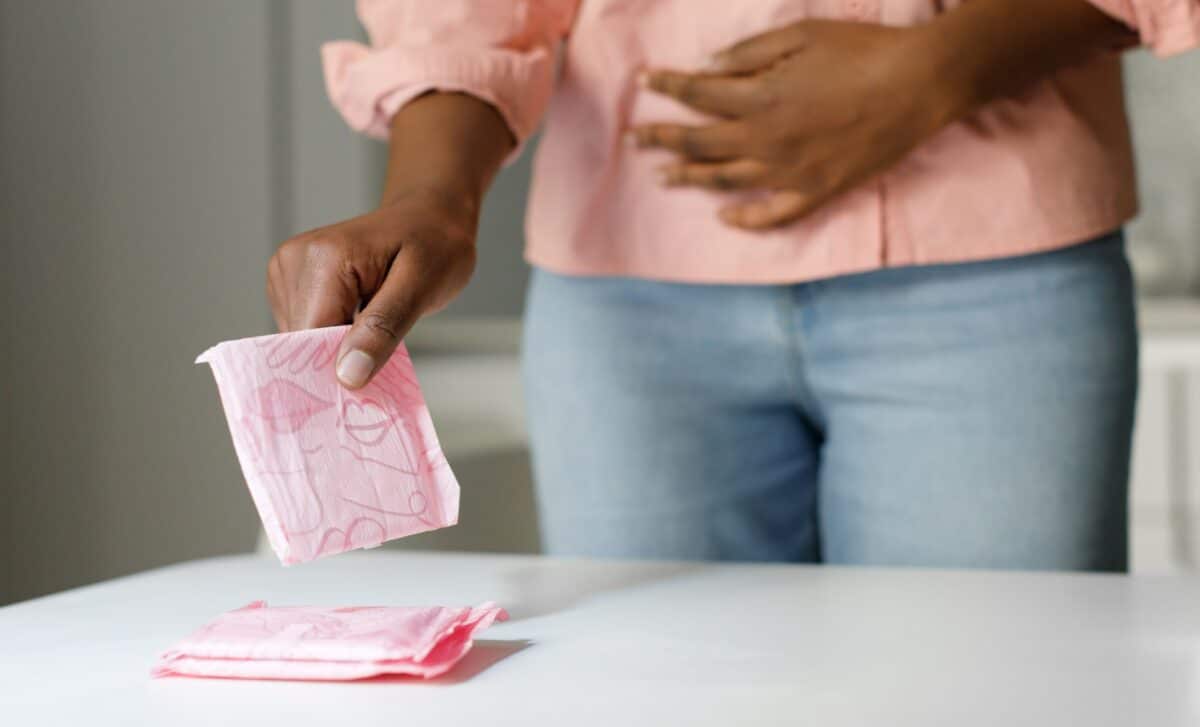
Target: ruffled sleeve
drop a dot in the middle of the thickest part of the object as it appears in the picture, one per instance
(500, 51)
(1165, 26)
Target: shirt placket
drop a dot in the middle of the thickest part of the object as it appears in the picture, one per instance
(871, 11)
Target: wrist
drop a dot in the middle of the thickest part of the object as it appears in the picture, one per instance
(988, 49)
(455, 200)
(949, 68)
(923, 76)
(448, 146)
(459, 185)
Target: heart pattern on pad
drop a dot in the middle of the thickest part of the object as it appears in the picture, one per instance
(330, 469)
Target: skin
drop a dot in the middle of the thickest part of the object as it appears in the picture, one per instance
(782, 125)
(411, 256)
(803, 135)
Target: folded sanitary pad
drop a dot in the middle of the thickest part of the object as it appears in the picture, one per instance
(258, 642)
(331, 469)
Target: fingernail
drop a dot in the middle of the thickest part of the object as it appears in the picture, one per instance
(354, 368)
(717, 63)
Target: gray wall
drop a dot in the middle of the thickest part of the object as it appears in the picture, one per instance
(151, 156)
(135, 190)
(1164, 105)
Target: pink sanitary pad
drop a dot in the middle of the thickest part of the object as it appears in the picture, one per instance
(257, 642)
(331, 469)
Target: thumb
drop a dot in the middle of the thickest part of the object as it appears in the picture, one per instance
(759, 51)
(380, 326)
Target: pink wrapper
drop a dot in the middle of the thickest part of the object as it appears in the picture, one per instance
(330, 469)
(306, 643)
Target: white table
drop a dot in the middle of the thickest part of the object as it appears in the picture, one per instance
(598, 643)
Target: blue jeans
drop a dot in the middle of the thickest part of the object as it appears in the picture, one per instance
(967, 415)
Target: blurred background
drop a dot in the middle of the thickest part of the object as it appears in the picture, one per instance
(151, 157)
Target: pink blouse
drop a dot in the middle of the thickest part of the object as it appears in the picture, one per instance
(1044, 170)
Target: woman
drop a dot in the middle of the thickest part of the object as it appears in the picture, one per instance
(814, 280)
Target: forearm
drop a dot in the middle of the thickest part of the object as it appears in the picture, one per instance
(987, 49)
(449, 144)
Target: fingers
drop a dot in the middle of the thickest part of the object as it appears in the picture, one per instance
(311, 284)
(399, 261)
(740, 174)
(381, 325)
(325, 296)
(719, 95)
(717, 142)
(779, 208)
(760, 51)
